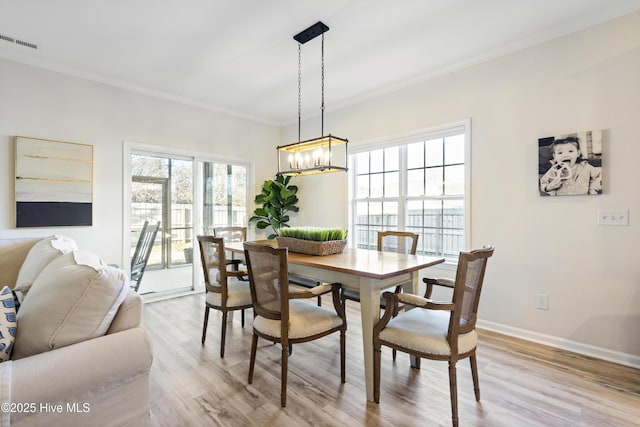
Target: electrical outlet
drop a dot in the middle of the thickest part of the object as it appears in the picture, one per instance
(613, 217)
(542, 301)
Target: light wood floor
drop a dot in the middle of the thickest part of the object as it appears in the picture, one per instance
(522, 384)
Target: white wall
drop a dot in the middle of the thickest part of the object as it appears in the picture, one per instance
(45, 104)
(587, 80)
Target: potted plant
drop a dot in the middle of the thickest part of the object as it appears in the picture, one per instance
(313, 240)
(277, 198)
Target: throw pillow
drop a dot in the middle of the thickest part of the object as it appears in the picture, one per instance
(41, 254)
(7, 323)
(16, 299)
(19, 294)
(74, 299)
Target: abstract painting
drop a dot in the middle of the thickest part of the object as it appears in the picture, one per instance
(54, 183)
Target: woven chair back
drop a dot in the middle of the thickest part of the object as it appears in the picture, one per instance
(212, 257)
(268, 280)
(231, 234)
(469, 279)
(398, 241)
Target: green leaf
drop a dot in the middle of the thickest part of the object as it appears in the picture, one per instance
(255, 218)
(291, 201)
(262, 225)
(272, 211)
(276, 203)
(268, 197)
(260, 212)
(286, 193)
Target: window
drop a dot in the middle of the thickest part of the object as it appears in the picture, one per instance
(418, 184)
(224, 195)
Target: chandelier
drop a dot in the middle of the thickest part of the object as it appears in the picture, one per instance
(318, 155)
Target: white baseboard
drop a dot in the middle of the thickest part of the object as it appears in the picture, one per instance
(625, 359)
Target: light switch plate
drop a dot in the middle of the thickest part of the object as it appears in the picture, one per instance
(613, 217)
(542, 301)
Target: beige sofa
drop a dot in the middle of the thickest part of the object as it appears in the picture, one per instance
(101, 381)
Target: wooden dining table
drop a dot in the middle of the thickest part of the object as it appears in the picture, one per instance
(367, 271)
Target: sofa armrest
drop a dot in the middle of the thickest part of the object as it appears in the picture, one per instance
(129, 314)
(77, 372)
(12, 255)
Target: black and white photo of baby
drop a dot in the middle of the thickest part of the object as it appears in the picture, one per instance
(570, 164)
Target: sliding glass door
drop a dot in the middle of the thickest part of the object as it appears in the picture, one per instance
(162, 190)
(187, 195)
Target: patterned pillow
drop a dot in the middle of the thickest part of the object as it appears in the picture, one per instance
(17, 299)
(7, 323)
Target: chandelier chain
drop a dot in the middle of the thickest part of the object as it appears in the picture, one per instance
(299, 87)
(322, 89)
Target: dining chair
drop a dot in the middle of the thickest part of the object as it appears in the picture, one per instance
(232, 234)
(280, 313)
(224, 289)
(434, 329)
(388, 241)
(140, 257)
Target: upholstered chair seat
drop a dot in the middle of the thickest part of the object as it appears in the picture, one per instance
(238, 295)
(305, 320)
(426, 331)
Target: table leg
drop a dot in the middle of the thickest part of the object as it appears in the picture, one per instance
(415, 280)
(370, 313)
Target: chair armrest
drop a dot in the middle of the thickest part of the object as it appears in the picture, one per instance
(393, 298)
(431, 282)
(448, 283)
(321, 289)
(421, 302)
(391, 308)
(413, 300)
(240, 273)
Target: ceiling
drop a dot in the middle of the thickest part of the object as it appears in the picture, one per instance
(239, 57)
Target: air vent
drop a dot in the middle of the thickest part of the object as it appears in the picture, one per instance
(18, 42)
(27, 44)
